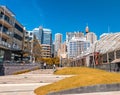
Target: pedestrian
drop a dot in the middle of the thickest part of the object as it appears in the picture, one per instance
(44, 65)
(54, 67)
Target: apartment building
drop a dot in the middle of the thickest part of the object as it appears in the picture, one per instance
(46, 51)
(28, 45)
(11, 36)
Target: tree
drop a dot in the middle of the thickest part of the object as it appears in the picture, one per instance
(56, 60)
(36, 49)
(51, 61)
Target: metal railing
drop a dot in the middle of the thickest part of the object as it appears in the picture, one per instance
(9, 33)
(3, 43)
(8, 21)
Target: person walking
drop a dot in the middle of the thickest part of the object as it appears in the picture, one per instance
(54, 67)
(44, 65)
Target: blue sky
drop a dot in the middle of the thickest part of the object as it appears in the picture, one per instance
(63, 16)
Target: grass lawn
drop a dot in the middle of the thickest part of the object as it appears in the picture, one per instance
(83, 77)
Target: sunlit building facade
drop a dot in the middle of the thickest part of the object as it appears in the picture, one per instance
(70, 35)
(58, 41)
(90, 36)
(11, 36)
(77, 46)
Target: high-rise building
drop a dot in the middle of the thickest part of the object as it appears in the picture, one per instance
(11, 36)
(45, 38)
(69, 35)
(77, 46)
(43, 35)
(91, 37)
(62, 52)
(58, 41)
(38, 33)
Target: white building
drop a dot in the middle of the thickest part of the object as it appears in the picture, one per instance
(90, 36)
(77, 46)
(70, 35)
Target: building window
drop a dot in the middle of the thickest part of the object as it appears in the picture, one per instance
(7, 18)
(30, 34)
(1, 14)
(18, 27)
(18, 37)
(26, 33)
(5, 29)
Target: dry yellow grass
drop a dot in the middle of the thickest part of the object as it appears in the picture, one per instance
(25, 71)
(84, 77)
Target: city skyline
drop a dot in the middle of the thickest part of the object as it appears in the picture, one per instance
(63, 16)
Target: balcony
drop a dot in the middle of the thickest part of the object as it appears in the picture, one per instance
(6, 22)
(5, 33)
(5, 44)
(15, 47)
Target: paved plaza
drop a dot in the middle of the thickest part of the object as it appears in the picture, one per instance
(24, 84)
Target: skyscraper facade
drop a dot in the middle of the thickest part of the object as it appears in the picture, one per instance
(91, 37)
(70, 35)
(38, 33)
(63, 51)
(77, 46)
(43, 35)
(45, 38)
(58, 41)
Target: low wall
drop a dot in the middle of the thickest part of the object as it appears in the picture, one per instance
(8, 69)
(108, 67)
(89, 89)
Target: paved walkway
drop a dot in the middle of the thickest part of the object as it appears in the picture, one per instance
(24, 84)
